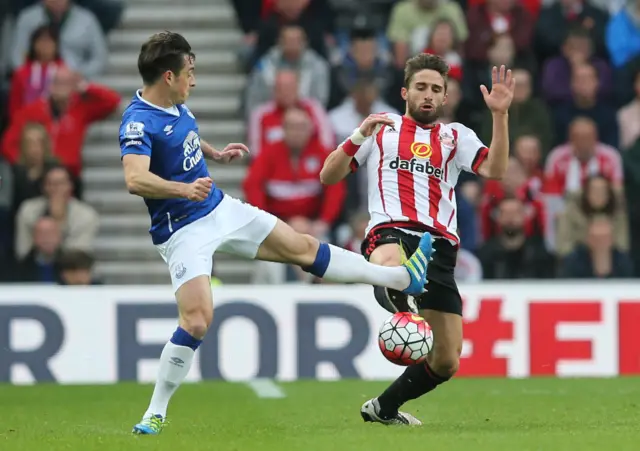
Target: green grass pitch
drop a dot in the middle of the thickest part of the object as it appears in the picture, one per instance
(464, 415)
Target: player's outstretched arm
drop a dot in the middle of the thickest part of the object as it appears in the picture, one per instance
(141, 182)
(498, 101)
(338, 164)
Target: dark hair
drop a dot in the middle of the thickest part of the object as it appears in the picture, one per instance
(425, 61)
(161, 53)
(609, 209)
(42, 30)
(71, 260)
(362, 33)
(577, 31)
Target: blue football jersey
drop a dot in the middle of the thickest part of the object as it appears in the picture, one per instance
(169, 136)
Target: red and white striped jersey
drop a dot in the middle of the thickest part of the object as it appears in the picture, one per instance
(566, 174)
(412, 171)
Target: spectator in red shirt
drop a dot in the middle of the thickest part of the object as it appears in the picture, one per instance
(265, 121)
(285, 178)
(72, 105)
(514, 185)
(31, 81)
(497, 18)
(570, 164)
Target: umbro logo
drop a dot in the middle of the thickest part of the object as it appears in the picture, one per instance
(168, 130)
(177, 361)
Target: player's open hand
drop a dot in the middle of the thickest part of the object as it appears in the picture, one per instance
(373, 123)
(502, 87)
(231, 152)
(200, 189)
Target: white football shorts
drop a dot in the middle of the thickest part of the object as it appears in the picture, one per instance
(233, 227)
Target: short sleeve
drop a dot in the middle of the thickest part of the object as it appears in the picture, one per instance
(471, 152)
(134, 138)
(360, 158)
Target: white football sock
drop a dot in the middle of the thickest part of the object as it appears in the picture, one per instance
(175, 362)
(347, 266)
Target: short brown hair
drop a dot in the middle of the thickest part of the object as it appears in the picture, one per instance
(162, 52)
(74, 259)
(425, 61)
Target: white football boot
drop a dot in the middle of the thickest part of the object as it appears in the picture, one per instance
(370, 413)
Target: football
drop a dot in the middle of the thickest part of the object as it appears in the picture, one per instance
(405, 339)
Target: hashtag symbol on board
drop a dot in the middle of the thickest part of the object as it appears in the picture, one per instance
(483, 333)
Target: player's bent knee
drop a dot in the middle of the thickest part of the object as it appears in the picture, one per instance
(196, 323)
(445, 364)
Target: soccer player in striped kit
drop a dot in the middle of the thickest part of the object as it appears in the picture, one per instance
(413, 163)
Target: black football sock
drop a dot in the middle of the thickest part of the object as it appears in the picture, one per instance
(416, 381)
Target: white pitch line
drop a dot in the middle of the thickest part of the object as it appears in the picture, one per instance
(266, 388)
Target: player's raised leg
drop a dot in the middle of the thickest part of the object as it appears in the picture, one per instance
(418, 380)
(333, 263)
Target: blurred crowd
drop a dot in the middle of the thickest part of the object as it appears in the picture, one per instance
(568, 206)
(55, 49)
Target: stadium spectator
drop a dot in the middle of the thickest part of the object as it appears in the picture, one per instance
(363, 60)
(291, 53)
(78, 221)
(511, 254)
(569, 165)
(31, 81)
(443, 42)
(265, 121)
(584, 87)
(623, 34)
(517, 185)
(75, 267)
(411, 23)
(34, 162)
(527, 115)
(285, 178)
(71, 107)
(596, 199)
(38, 263)
(82, 43)
(599, 257)
(556, 19)
(493, 19)
(314, 16)
(629, 118)
(577, 50)
(528, 151)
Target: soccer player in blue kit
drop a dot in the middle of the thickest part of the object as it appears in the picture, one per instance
(163, 159)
